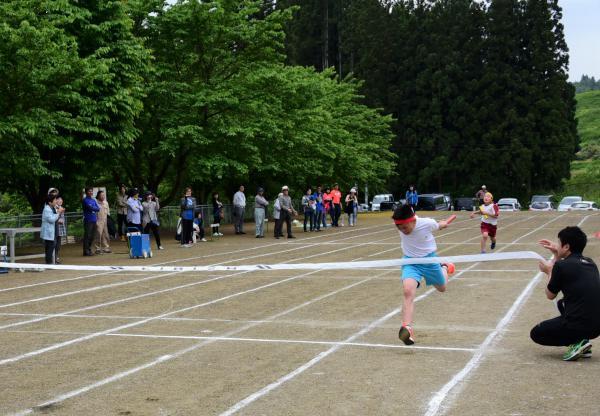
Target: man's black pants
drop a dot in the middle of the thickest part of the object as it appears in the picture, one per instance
(557, 332)
(89, 232)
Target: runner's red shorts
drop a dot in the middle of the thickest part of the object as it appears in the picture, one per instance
(489, 228)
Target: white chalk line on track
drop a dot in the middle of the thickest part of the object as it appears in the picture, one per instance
(141, 322)
(15, 324)
(182, 352)
(179, 353)
(435, 404)
(190, 259)
(178, 269)
(110, 303)
(267, 389)
(133, 281)
(261, 340)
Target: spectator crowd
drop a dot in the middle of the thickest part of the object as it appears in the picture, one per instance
(321, 208)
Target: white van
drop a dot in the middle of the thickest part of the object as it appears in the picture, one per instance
(378, 199)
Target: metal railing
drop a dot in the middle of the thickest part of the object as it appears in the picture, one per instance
(168, 217)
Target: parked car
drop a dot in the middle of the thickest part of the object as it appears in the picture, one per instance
(464, 204)
(567, 201)
(541, 206)
(363, 207)
(543, 198)
(583, 206)
(432, 202)
(509, 204)
(378, 199)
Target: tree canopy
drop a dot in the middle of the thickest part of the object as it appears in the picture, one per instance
(478, 90)
(161, 95)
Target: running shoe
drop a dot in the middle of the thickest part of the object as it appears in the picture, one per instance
(406, 335)
(575, 350)
(493, 245)
(587, 352)
(450, 268)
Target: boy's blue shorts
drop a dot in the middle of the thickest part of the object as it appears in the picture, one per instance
(431, 272)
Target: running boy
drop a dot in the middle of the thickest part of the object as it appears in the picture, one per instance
(489, 220)
(418, 241)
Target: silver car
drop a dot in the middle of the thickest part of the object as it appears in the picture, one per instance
(567, 201)
(509, 204)
(584, 206)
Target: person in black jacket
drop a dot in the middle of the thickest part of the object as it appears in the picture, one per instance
(577, 278)
(188, 211)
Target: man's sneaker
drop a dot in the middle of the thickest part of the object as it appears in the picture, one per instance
(575, 350)
(406, 335)
(482, 251)
(493, 245)
(450, 268)
(587, 352)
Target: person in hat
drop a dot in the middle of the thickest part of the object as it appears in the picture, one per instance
(287, 211)
(260, 209)
(151, 206)
(351, 207)
(480, 194)
(418, 242)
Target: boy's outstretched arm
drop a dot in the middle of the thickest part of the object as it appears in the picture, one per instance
(444, 223)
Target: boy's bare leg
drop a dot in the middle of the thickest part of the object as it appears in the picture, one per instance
(442, 288)
(410, 290)
(484, 238)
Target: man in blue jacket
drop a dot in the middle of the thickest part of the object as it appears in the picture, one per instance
(90, 209)
(412, 197)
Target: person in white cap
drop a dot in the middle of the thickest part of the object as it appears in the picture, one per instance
(481, 194)
(287, 210)
(351, 207)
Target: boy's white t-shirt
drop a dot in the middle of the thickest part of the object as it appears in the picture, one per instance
(491, 209)
(420, 242)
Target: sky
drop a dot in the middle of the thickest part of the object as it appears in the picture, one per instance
(581, 19)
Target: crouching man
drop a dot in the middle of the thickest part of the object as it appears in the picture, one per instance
(577, 278)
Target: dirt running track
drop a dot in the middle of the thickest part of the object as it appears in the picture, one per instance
(293, 342)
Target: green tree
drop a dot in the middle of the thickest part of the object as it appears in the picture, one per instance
(70, 89)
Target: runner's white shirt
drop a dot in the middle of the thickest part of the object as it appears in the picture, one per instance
(420, 242)
(491, 209)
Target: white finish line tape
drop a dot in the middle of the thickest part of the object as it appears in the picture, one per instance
(468, 258)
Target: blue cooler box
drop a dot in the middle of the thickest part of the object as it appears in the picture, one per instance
(139, 245)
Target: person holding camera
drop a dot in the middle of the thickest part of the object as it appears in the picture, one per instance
(150, 217)
(50, 215)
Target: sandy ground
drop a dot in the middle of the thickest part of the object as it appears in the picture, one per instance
(292, 342)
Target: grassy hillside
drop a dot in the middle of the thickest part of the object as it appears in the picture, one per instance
(588, 116)
(585, 172)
